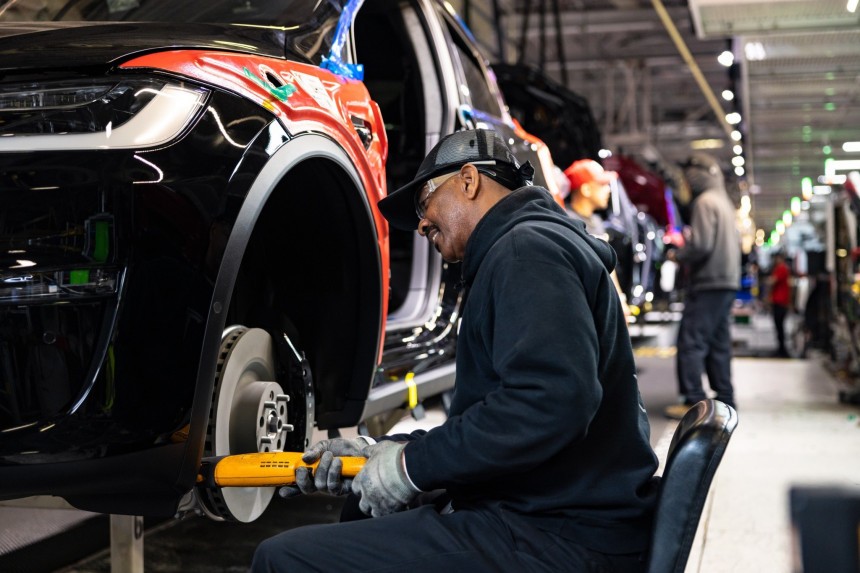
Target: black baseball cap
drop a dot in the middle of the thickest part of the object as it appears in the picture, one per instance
(481, 147)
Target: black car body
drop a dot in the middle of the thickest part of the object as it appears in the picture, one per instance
(192, 260)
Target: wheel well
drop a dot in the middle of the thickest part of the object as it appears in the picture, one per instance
(312, 269)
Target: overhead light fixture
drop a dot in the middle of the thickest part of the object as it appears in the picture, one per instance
(736, 135)
(852, 5)
(806, 188)
(707, 143)
(733, 118)
(604, 153)
(726, 58)
(738, 150)
(739, 171)
(728, 95)
(795, 206)
(831, 166)
(851, 145)
(832, 179)
(737, 160)
(787, 218)
(754, 51)
(821, 190)
(780, 226)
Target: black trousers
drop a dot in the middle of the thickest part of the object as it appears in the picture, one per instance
(779, 313)
(422, 540)
(705, 346)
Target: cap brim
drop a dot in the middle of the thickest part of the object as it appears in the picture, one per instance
(399, 207)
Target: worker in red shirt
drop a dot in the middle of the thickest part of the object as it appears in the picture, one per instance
(780, 299)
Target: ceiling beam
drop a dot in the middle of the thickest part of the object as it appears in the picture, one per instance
(693, 65)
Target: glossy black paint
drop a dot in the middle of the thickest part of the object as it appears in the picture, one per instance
(170, 234)
(31, 47)
(128, 400)
(87, 36)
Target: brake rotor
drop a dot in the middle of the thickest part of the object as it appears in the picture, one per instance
(249, 414)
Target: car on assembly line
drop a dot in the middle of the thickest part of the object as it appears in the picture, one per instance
(192, 261)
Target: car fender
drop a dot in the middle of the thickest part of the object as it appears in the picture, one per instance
(305, 99)
(289, 155)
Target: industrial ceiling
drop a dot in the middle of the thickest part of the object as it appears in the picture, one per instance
(795, 79)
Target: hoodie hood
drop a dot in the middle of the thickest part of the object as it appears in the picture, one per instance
(526, 205)
(703, 172)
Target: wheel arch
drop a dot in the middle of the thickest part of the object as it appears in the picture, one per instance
(308, 190)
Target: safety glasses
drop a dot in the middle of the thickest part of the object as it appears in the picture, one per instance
(431, 186)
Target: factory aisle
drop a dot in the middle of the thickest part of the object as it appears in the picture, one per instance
(792, 431)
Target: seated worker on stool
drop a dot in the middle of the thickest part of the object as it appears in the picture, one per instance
(589, 192)
(545, 455)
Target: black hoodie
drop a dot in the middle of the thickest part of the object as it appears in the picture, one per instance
(546, 419)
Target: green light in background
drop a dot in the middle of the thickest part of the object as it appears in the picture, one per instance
(795, 206)
(827, 150)
(830, 106)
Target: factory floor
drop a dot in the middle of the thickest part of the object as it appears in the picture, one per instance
(795, 429)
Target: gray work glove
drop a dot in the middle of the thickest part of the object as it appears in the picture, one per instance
(383, 485)
(328, 477)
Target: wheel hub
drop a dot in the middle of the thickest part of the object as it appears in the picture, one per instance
(249, 414)
(261, 405)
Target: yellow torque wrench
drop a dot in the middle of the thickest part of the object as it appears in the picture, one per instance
(263, 469)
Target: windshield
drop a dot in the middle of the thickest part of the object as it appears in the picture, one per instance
(306, 26)
(286, 13)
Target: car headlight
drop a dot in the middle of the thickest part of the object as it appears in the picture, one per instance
(124, 113)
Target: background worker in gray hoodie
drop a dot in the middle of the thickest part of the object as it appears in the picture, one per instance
(712, 258)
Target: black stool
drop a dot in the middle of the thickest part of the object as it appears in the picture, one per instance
(697, 447)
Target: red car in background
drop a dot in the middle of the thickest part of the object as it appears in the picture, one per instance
(655, 226)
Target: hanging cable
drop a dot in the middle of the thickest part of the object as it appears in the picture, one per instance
(522, 47)
(558, 43)
(542, 37)
(501, 37)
